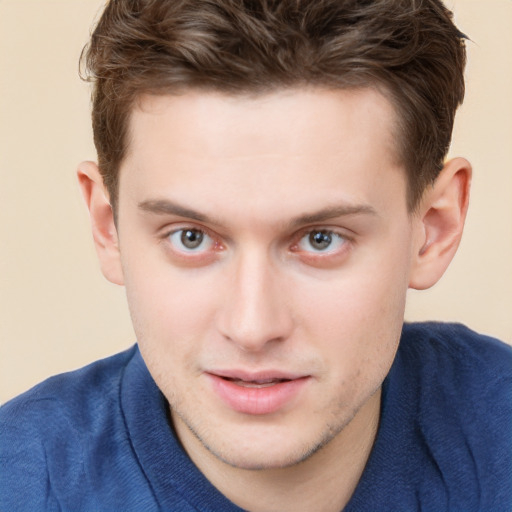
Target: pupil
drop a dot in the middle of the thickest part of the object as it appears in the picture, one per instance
(320, 239)
(191, 238)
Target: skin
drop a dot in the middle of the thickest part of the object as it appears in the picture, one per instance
(255, 177)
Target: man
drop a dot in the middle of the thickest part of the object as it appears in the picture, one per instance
(270, 182)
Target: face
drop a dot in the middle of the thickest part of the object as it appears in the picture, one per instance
(266, 249)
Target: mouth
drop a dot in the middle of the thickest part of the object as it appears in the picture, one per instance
(258, 383)
(257, 394)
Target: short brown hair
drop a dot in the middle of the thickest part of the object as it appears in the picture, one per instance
(410, 49)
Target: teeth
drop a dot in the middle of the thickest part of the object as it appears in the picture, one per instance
(256, 383)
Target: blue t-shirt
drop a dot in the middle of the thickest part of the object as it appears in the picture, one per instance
(100, 439)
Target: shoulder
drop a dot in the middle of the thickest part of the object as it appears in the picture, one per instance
(463, 384)
(458, 374)
(47, 430)
(75, 391)
(448, 347)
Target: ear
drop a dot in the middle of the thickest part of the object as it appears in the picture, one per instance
(440, 223)
(102, 221)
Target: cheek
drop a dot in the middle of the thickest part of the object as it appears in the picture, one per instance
(357, 302)
(167, 329)
(167, 296)
(172, 313)
(356, 319)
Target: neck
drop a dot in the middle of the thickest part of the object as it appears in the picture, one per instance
(324, 482)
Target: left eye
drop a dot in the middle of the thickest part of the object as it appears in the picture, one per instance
(321, 241)
(190, 240)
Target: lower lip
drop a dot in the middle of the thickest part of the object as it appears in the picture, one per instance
(253, 400)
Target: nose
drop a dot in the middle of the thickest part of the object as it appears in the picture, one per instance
(255, 312)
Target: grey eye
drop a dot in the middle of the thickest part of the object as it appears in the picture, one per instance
(190, 240)
(320, 240)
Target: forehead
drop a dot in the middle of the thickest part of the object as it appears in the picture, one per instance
(286, 144)
(210, 114)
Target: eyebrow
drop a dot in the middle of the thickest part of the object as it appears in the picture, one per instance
(167, 207)
(332, 212)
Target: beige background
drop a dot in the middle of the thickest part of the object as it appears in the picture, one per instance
(56, 310)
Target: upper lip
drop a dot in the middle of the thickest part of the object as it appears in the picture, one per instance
(255, 376)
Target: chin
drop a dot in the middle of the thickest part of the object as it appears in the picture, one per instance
(270, 452)
(260, 461)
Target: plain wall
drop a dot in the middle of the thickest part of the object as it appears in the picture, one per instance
(56, 310)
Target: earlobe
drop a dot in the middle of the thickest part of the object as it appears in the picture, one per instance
(102, 221)
(440, 223)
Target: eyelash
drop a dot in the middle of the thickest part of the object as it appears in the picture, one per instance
(216, 246)
(191, 256)
(332, 237)
(326, 257)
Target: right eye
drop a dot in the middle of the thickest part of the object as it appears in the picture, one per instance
(190, 240)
